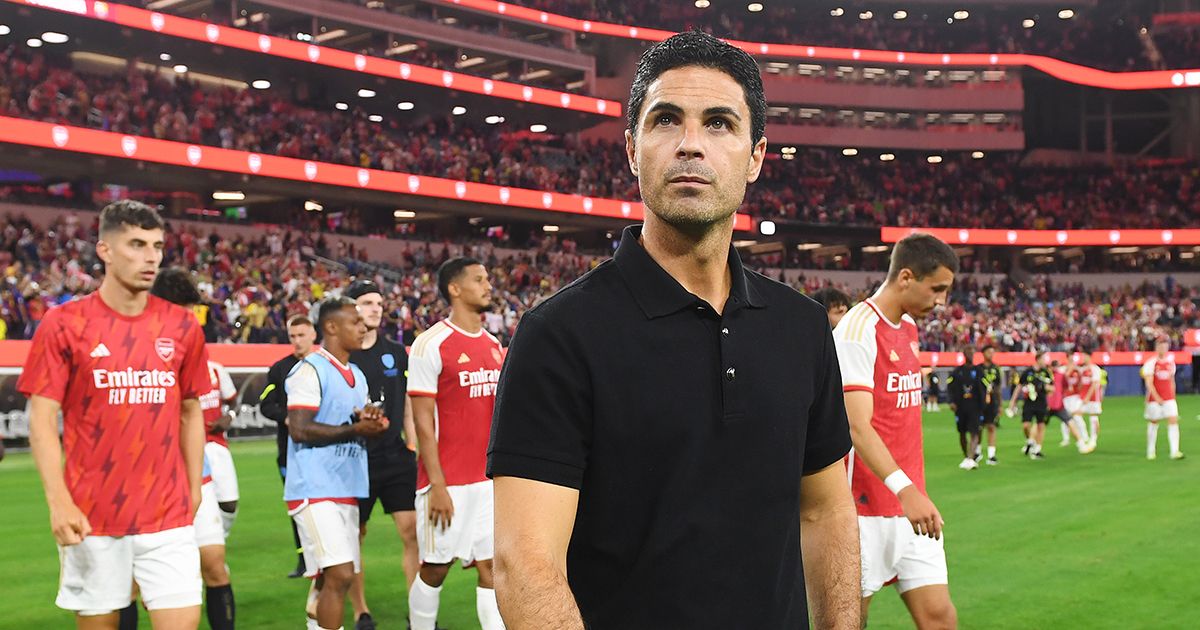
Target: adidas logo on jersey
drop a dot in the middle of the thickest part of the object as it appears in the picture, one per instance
(463, 358)
(893, 356)
(100, 351)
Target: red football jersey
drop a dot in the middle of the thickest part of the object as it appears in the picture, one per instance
(1089, 375)
(460, 371)
(1163, 372)
(210, 403)
(1072, 379)
(120, 381)
(882, 357)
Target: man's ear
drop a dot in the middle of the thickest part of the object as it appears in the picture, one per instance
(104, 251)
(631, 152)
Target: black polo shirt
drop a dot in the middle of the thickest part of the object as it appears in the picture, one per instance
(686, 433)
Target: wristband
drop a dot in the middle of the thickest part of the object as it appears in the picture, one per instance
(897, 481)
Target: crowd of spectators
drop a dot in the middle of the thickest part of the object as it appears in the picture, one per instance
(1106, 36)
(253, 285)
(815, 186)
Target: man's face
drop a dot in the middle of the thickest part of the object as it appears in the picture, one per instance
(836, 313)
(302, 337)
(921, 296)
(692, 152)
(988, 354)
(349, 328)
(472, 288)
(969, 356)
(131, 256)
(1162, 347)
(370, 306)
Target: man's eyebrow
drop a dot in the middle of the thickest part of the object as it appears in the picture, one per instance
(721, 110)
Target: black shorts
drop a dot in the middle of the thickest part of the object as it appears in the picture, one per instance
(1059, 413)
(1030, 414)
(990, 414)
(968, 422)
(394, 484)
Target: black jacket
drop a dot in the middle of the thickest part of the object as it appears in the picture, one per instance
(273, 403)
(966, 389)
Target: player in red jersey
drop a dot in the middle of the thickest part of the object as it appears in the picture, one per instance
(900, 529)
(453, 370)
(1090, 384)
(175, 286)
(127, 370)
(1159, 375)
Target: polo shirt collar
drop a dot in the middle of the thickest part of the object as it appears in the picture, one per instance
(658, 294)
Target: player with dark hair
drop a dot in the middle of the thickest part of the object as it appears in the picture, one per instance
(967, 394)
(328, 415)
(175, 286)
(1035, 387)
(390, 458)
(993, 384)
(127, 370)
(1159, 376)
(899, 526)
(835, 301)
(453, 372)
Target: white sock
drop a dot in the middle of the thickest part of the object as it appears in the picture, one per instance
(1173, 437)
(337, 628)
(423, 602)
(991, 452)
(312, 624)
(487, 609)
(1151, 438)
(1080, 426)
(1095, 427)
(227, 519)
(1066, 433)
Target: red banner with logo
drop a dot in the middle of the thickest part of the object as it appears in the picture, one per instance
(1049, 238)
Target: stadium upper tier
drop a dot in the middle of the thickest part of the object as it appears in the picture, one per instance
(1104, 36)
(254, 282)
(811, 186)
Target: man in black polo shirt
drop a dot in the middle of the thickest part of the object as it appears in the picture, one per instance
(273, 404)
(967, 393)
(392, 464)
(669, 429)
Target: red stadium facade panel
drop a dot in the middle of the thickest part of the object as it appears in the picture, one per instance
(196, 30)
(1072, 73)
(95, 142)
(932, 138)
(254, 356)
(1051, 238)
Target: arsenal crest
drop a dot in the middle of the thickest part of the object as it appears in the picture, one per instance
(165, 348)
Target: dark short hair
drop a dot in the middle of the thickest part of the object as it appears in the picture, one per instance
(831, 298)
(989, 347)
(694, 48)
(129, 213)
(331, 307)
(450, 271)
(922, 254)
(175, 285)
(300, 320)
(968, 348)
(360, 288)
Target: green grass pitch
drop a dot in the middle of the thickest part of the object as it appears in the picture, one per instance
(1107, 540)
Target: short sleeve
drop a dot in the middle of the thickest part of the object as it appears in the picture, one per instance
(857, 364)
(194, 381)
(226, 386)
(828, 438)
(49, 361)
(303, 387)
(425, 366)
(1148, 369)
(542, 424)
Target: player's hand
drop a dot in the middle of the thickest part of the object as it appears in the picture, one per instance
(922, 514)
(69, 524)
(441, 506)
(371, 421)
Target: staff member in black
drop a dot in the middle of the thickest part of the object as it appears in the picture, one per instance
(392, 464)
(273, 404)
(669, 429)
(994, 386)
(968, 396)
(1036, 384)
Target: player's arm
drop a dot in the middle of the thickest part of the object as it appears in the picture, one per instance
(829, 545)
(1148, 379)
(952, 392)
(534, 521)
(441, 506)
(273, 400)
(869, 447)
(410, 424)
(1016, 393)
(67, 521)
(191, 444)
(228, 393)
(304, 428)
